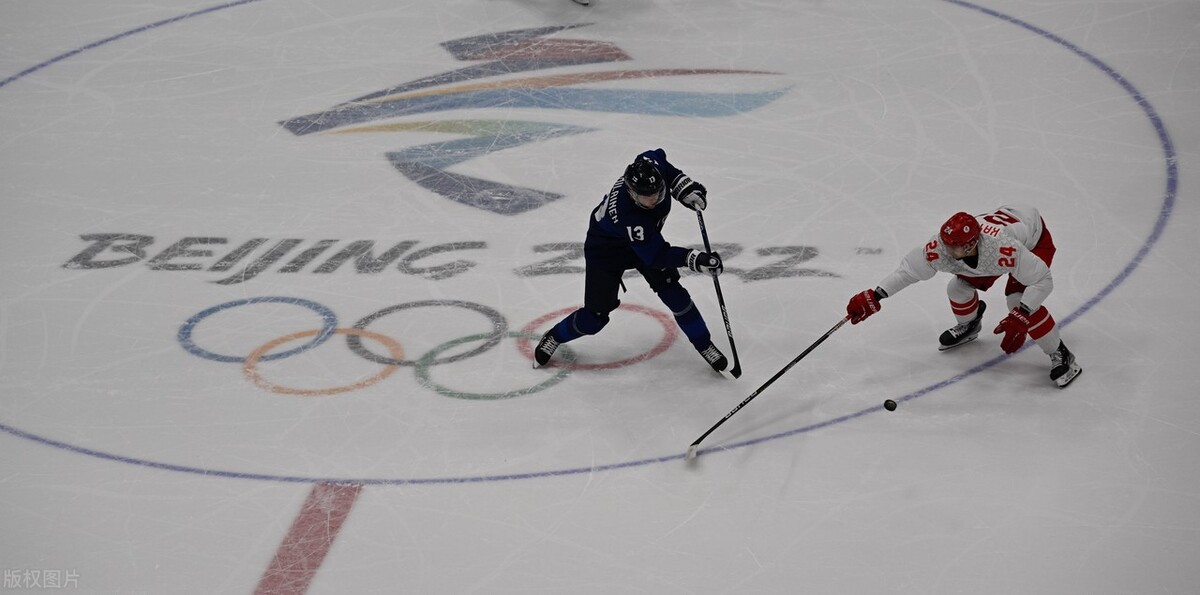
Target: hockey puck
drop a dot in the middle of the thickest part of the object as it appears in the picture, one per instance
(890, 405)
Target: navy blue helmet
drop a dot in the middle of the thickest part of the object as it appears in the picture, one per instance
(642, 177)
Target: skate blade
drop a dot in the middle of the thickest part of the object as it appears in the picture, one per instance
(960, 344)
(1065, 379)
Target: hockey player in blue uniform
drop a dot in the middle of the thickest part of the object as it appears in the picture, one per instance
(625, 232)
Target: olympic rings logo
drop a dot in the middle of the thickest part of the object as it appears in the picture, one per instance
(394, 356)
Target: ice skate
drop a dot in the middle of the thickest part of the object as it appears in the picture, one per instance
(1063, 367)
(545, 349)
(714, 357)
(961, 334)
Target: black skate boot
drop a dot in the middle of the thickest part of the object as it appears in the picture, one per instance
(714, 357)
(545, 349)
(961, 334)
(1063, 367)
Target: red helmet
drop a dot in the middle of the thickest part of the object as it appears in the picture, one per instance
(960, 229)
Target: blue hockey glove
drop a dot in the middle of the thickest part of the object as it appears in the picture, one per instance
(689, 192)
(705, 262)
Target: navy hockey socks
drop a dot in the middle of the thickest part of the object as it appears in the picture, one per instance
(694, 327)
(579, 323)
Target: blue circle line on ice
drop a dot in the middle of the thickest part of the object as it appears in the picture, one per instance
(328, 326)
(1164, 214)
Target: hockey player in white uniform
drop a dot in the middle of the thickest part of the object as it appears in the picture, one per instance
(977, 250)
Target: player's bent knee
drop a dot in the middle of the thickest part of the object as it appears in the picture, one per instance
(676, 298)
(587, 322)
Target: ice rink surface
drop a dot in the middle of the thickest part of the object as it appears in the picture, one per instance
(269, 272)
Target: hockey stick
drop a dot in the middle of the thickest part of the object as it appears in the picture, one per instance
(691, 452)
(736, 370)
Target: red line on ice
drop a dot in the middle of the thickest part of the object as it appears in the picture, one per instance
(308, 541)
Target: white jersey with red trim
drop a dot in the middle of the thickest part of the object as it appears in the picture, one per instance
(1006, 237)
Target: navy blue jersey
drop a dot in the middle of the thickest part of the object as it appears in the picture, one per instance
(628, 235)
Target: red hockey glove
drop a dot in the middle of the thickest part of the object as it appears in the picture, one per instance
(862, 305)
(1015, 327)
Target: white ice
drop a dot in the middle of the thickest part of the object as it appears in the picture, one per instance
(131, 465)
